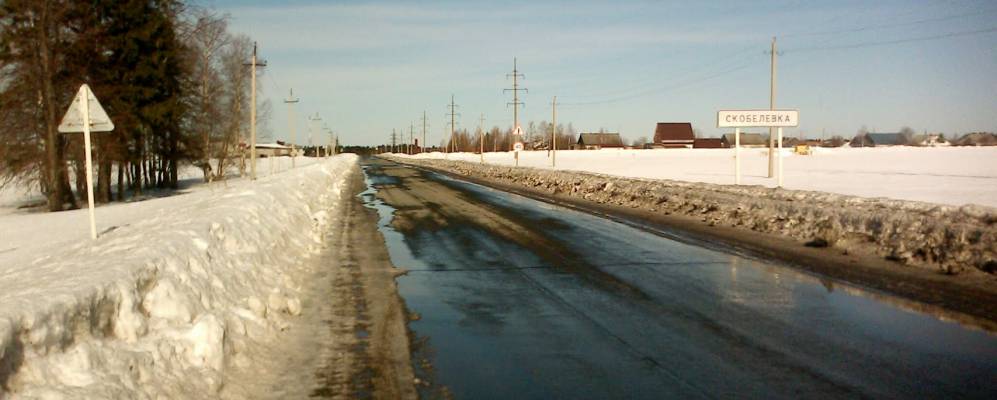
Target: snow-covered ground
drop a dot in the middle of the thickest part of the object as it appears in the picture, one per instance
(944, 175)
(174, 291)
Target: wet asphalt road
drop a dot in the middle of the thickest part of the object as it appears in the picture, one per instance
(523, 299)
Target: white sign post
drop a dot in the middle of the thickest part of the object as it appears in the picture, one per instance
(86, 115)
(756, 118)
(517, 135)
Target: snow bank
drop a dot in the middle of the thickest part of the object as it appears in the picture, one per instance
(159, 308)
(943, 175)
(949, 239)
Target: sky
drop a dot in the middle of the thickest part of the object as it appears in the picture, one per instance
(366, 68)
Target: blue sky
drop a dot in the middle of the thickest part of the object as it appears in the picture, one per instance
(369, 67)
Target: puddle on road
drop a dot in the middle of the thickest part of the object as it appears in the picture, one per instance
(496, 321)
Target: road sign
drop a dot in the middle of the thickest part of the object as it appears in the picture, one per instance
(86, 115)
(738, 119)
(518, 131)
(757, 118)
(72, 122)
(518, 146)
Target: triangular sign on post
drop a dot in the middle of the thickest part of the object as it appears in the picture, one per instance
(73, 120)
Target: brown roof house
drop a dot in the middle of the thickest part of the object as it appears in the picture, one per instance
(674, 135)
(596, 141)
(708, 143)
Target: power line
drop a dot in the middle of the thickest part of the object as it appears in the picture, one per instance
(897, 41)
(659, 90)
(888, 26)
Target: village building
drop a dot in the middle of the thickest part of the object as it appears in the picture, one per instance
(596, 141)
(747, 140)
(708, 143)
(881, 139)
(674, 135)
(272, 150)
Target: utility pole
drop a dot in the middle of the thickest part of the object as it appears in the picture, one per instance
(393, 138)
(311, 133)
(423, 131)
(453, 122)
(481, 136)
(772, 107)
(516, 76)
(290, 101)
(553, 134)
(329, 131)
(252, 114)
(411, 138)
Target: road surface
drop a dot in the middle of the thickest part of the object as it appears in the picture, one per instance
(515, 298)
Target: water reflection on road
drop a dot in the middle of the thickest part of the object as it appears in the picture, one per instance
(621, 312)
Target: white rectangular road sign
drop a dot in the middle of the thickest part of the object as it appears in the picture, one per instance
(758, 118)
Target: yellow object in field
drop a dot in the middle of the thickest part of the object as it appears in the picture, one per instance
(802, 149)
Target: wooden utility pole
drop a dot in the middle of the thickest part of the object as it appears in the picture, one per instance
(772, 107)
(481, 136)
(423, 131)
(290, 101)
(252, 114)
(553, 134)
(311, 133)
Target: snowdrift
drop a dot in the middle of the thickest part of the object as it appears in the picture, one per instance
(163, 306)
(948, 239)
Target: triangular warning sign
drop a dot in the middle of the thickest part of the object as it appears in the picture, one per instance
(73, 120)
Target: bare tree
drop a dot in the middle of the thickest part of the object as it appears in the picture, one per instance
(234, 100)
(207, 38)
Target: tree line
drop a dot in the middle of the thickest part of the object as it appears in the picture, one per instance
(171, 77)
(536, 135)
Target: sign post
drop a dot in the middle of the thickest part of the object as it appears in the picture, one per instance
(738, 119)
(86, 115)
(517, 135)
(737, 156)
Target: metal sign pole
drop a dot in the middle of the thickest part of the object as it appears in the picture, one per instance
(737, 156)
(85, 103)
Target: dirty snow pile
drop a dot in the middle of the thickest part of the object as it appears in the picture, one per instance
(163, 306)
(943, 175)
(949, 239)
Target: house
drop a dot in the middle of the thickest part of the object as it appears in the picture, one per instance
(674, 135)
(930, 141)
(977, 139)
(747, 140)
(596, 141)
(881, 139)
(708, 143)
(272, 150)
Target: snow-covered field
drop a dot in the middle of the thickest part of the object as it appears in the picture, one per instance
(175, 290)
(944, 175)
